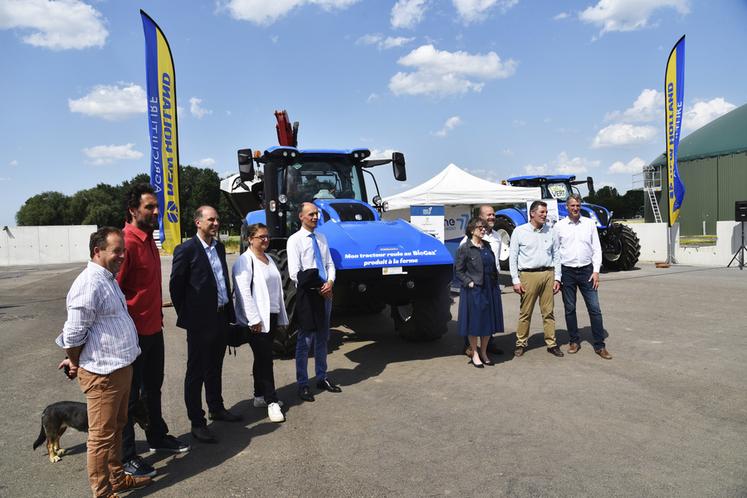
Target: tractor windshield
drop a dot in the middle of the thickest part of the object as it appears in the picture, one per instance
(557, 190)
(319, 178)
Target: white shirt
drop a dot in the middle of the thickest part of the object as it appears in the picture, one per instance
(301, 257)
(255, 307)
(215, 264)
(578, 243)
(97, 319)
(495, 246)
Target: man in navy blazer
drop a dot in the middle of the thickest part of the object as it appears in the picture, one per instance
(201, 293)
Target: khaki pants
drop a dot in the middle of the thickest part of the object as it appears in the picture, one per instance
(536, 284)
(106, 398)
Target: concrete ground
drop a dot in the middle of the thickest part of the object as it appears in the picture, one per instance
(666, 417)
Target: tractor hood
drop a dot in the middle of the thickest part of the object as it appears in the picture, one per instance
(377, 244)
(598, 214)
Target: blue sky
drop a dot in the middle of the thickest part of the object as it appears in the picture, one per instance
(498, 87)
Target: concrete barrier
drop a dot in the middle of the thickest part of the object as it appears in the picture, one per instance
(43, 245)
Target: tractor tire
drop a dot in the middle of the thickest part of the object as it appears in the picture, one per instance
(244, 234)
(284, 345)
(503, 229)
(621, 248)
(426, 318)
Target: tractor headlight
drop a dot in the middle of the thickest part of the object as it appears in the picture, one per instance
(282, 199)
(273, 206)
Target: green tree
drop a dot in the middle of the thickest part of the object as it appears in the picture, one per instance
(47, 208)
(101, 205)
(197, 187)
(622, 206)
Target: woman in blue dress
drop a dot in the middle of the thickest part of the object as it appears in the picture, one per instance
(480, 309)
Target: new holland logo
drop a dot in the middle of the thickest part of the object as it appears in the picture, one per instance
(172, 212)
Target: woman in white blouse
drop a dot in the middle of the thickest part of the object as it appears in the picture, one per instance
(260, 306)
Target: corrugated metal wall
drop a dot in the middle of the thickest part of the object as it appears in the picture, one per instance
(712, 186)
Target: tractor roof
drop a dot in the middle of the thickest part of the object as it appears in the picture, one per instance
(341, 152)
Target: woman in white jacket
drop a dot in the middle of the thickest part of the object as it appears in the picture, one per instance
(260, 306)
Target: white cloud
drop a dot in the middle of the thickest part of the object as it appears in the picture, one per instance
(703, 112)
(564, 164)
(384, 43)
(476, 10)
(408, 13)
(262, 12)
(518, 123)
(14, 162)
(196, 109)
(648, 106)
(635, 165)
(106, 154)
(627, 15)
(372, 98)
(449, 125)
(439, 72)
(486, 174)
(381, 153)
(561, 16)
(60, 25)
(507, 152)
(623, 134)
(111, 102)
(207, 162)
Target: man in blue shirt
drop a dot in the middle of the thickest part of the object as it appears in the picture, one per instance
(535, 273)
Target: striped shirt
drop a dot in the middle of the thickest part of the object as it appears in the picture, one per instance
(97, 319)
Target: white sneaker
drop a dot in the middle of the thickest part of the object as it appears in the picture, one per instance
(259, 402)
(273, 411)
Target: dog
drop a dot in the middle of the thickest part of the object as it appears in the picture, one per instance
(57, 417)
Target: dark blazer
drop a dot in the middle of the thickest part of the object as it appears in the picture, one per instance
(193, 289)
(468, 265)
(310, 311)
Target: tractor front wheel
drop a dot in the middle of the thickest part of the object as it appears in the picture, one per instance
(620, 248)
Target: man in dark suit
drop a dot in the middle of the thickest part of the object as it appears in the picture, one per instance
(200, 291)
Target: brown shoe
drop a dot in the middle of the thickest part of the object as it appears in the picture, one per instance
(555, 351)
(603, 353)
(573, 347)
(519, 351)
(132, 482)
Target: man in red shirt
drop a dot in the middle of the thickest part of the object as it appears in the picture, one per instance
(140, 281)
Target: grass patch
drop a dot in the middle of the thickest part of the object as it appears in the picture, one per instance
(697, 240)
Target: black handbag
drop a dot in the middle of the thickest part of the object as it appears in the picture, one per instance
(239, 334)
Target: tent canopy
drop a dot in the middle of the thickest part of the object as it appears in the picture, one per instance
(454, 186)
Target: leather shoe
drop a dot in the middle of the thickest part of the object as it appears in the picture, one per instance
(573, 348)
(203, 435)
(555, 351)
(225, 416)
(132, 482)
(603, 353)
(519, 351)
(327, 385)
(305, 394)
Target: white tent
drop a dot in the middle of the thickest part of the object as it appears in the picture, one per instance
(454, 186)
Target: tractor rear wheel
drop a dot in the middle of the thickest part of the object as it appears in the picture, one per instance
(426, 318)
(620, 248)
(503, 229)
(285, 342)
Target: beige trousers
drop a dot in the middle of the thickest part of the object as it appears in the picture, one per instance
(536, 284)
(106, 398)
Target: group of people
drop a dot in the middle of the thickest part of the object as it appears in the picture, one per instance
(113, 335)
(543, 261)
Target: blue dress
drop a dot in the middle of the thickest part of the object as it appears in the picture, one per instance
(480, 308)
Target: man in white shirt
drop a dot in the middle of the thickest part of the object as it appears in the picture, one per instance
(309, 250)
(100, 340)
(580, 253)
(487, 215)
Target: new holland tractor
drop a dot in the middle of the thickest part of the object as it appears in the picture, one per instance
(620, 246)
(377, 262)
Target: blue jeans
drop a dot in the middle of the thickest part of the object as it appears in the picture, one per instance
(573, 278)
(319, 339)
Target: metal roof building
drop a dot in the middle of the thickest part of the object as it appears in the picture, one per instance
(713, 166)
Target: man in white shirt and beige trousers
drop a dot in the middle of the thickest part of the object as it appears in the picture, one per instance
(577, 244)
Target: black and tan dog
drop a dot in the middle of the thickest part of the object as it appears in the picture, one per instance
(57, 417)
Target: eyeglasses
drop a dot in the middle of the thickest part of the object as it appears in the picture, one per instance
(262, 237)
(481, 227)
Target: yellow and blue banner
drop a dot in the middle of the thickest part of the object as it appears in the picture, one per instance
(674, 90)
(164, 143)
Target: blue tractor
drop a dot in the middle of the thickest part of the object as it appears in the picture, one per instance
(620, 245)
(378, 263)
